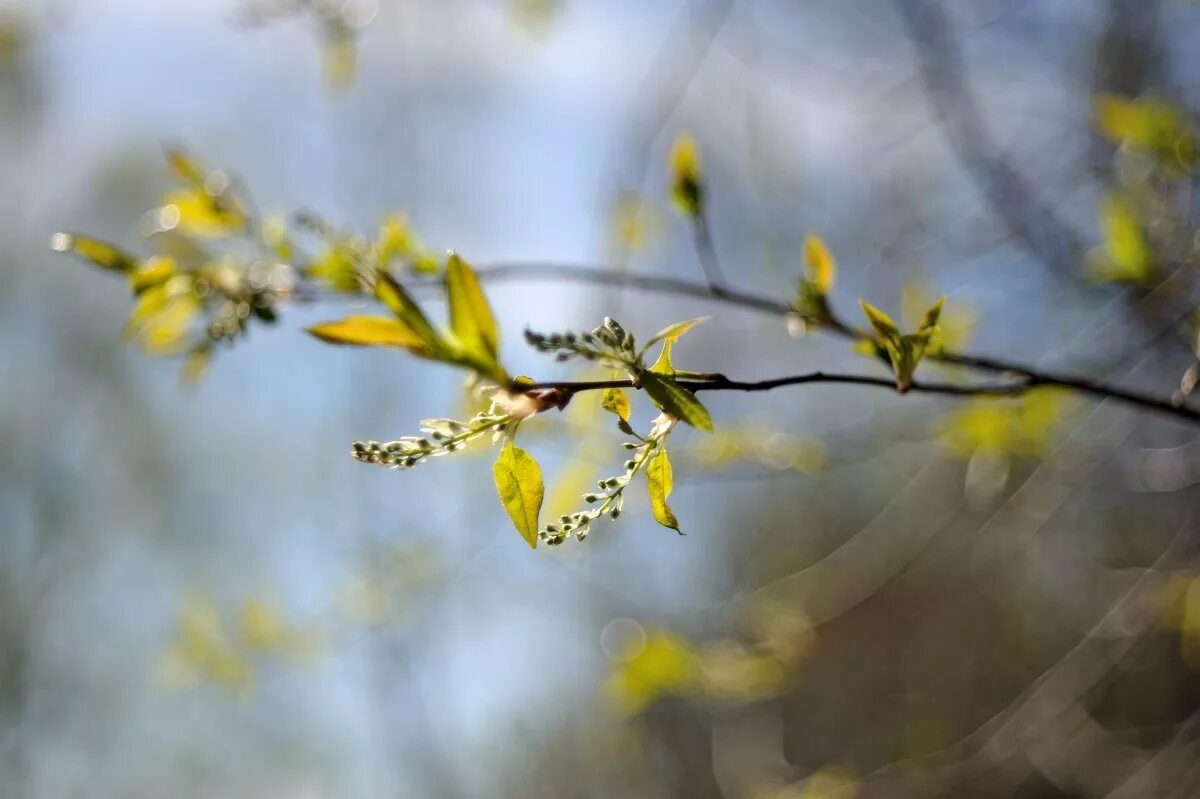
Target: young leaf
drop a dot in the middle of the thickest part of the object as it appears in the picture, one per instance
(930, 320)
(98, 252)
(397, 300)
(883, 324)
(1129, 255)
(676, 400)
(371, 331)
(663, 365)
(659, 482)
(673, 333)
(614, 400)
(471, 317)
(687, 181)
(819, 264)
(519, 484)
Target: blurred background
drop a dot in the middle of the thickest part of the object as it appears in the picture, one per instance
(201, 594)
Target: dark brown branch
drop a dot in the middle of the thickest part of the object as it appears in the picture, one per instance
(722, 383)
(668, 285)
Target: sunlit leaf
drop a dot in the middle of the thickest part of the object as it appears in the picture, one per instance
(686, 176)
(673, 333)
(336, 267)
(98, 252)
(152, 272)
(930, 320)
(615, 400)
(519, 484)
(659, 482)
(1127, 255)
(1148, 125)
(205, 651)
(649, 667)
(398, 301)
(371, 331)
(884, 327)
(676, 400)
(471, 318)
(197, 213)
(185, 167)
(819, 264)
(662, 365)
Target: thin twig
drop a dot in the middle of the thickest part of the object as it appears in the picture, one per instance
(722, 383)
(687, 288)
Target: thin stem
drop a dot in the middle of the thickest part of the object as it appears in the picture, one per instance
(722, 383)
(687, 288)
(706, 253)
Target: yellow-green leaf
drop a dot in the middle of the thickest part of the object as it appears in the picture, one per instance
(687, 180)
(614, 400)
(676, 400)
(471, 317)
(98, 252)
(197, 213)
(153, 272)
(659, 482)
(673, 333)
(930, 320)
(185, 167)
(1129, 255)
(819, 264)
(370, 331)
(398, 301)
(883, 324)
(519, 484)
(663, 364)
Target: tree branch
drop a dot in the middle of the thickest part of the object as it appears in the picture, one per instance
(1030, 377)
(723, 383)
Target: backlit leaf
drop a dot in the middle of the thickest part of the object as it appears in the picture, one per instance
(197, 213)
(673, 333)
(883, 324)
(663, 364)
(98, 252)
(687, 187)
(659, 482)
(370, 331)
(519, 484)
(1128, 255)
(819, 264)
(676, 400)
(471, 318)
(398, 301)
(615, 400)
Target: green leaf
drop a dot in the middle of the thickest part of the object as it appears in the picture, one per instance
(676, 400)
(398, 301)
(98, 252)
(614, 400)
(663, 365)
(471, 318)
(930, 320)
(687, 178)
(371, 331)
(519, 484)
(819, 265)
(883, 324)
(673, 333)
(659, 482)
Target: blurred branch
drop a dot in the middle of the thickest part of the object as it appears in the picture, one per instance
(942, 71)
